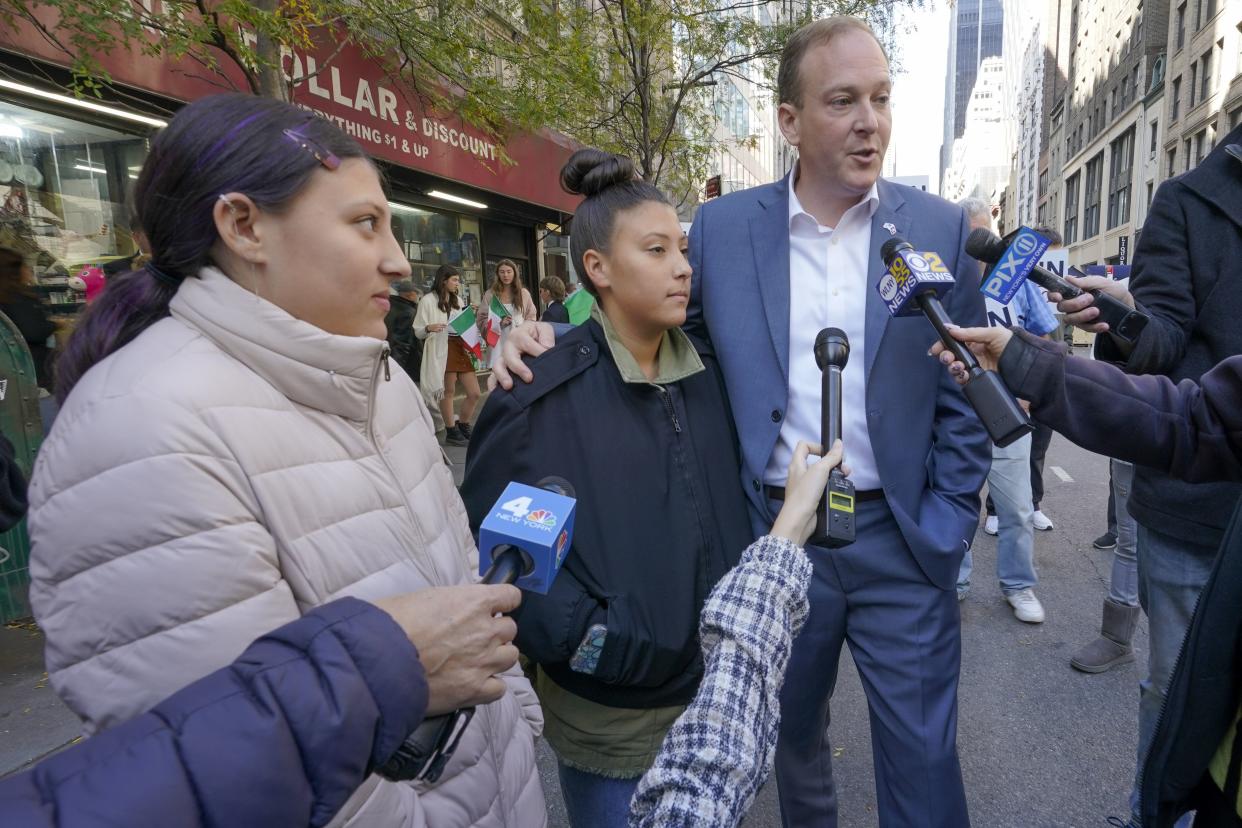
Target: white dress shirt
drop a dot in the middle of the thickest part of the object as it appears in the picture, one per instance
(827, 288)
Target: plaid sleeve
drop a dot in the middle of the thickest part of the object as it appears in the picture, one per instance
(1040, 320)
(717, 754)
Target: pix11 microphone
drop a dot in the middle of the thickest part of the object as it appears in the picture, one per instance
(1018, 261)
(522, 541)
(834, 524)
(913, 285)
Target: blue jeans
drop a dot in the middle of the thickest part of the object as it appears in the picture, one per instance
(1009, 483)
(595, 801)
(1123, 584)
(1172, 572)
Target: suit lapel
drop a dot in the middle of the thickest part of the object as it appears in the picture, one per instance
(888, 213)
(769, 239)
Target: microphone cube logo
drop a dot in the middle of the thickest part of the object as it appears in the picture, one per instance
(910, 272)
(542, 517)
(1015, 264)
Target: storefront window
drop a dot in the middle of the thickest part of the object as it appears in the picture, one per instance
(63, 190)
(432, 238)
(556, 256)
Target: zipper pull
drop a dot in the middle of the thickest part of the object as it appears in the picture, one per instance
(387, 371)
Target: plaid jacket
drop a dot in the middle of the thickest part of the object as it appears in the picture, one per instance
(717, 754)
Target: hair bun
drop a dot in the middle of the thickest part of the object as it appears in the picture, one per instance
(589, 171)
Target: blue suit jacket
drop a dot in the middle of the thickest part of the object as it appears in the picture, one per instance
(932, 452)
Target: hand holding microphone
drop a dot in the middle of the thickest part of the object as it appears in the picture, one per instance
(804, 491)
(987, 344)
(462, 640)
(914, 284)
(523, 541)
(1081, 310)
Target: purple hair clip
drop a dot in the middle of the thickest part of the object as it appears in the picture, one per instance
(324, 157)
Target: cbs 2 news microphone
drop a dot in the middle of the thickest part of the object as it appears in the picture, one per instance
(913, 285)
(523, 541)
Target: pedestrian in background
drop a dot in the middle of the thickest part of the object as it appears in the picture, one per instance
(407, 349)
(552, 294)
(515, 300)
(22, 305)
(1009, 479)
(233, 422)
(445, 359)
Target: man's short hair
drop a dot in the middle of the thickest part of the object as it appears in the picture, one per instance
(977, 210)
(1051, 235)
(405, 286)
(815, 33)
(554, 286)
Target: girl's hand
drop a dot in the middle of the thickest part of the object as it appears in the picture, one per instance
(804, 491)
(506, 321)
(436, 327)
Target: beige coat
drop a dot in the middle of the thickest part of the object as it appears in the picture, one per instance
(227, 470)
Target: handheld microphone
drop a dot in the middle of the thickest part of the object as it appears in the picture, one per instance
(518, 544)
(919, 280)
(1019, 260)
(834, 524)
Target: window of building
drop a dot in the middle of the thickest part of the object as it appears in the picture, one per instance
(1091, 196)
(1234, 117)
(1152, 150)
(63, 193)
(1209, 12)
(1151, 191)
(1071, 209)
(1181, 25)
(1205, 75)
(1202, 146)
(1176, 103)
(1113, 98)
(1188, 153)
(1120, 170)
(1198, 14)
(1194, 83)
(1171, 168)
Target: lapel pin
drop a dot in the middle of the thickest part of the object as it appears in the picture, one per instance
(891, 228)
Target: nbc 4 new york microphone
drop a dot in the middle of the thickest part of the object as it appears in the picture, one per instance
(1014, 262)
(914, 284)
(522, 541)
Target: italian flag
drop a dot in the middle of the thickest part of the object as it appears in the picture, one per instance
(465, 325)
(495, 312)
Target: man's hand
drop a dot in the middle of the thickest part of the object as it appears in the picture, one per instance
(530, 339)
(987, 344)
(804, 491)
(1079, 311)
(462, 642)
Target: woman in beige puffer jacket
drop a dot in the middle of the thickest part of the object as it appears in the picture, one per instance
(255, 453)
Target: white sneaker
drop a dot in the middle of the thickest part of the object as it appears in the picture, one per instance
(1041, 521)
(991, 525)
(1026, 607)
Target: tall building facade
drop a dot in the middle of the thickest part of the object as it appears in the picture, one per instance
(980, 163)
(1115, 46)
(1203, 92)
(976, 32)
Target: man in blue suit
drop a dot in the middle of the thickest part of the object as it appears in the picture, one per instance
(772, 266)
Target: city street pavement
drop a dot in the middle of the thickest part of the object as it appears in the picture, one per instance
(1041, 744)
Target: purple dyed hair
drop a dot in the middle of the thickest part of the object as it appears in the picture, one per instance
(219, 144)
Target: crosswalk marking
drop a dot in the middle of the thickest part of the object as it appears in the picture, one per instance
(1061, 473)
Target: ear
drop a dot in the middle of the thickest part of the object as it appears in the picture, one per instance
(239, 223)
(787, 119)
(596, 268)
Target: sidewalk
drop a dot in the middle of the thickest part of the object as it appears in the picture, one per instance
(33, 721)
